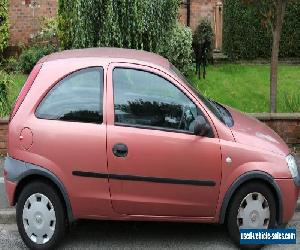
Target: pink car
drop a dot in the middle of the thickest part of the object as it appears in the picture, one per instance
(121, 135)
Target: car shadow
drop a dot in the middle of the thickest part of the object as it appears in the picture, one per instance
(150, 235)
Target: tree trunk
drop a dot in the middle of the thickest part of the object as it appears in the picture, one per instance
(277, 28)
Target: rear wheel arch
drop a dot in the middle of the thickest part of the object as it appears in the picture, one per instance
(50, 180)
(260, 176)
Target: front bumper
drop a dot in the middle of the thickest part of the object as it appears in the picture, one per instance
(289, 196)
(297, 180)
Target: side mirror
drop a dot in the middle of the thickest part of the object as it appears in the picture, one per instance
(201, 127)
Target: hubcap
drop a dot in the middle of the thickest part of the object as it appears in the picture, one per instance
(39, 218)
(254, 212)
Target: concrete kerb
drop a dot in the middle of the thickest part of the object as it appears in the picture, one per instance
(8, 216)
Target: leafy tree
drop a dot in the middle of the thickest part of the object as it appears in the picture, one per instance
(137, 24)
(272, 14)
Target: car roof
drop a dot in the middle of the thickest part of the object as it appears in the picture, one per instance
(114, 53)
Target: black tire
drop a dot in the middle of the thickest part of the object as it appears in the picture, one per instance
(232, 210)
(61, 222)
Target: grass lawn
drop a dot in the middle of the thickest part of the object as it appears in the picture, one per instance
(246, 87)
(19, 80)
(13, 92)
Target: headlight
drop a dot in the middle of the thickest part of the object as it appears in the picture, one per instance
(291, 162)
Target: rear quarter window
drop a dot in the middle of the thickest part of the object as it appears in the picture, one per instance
(76, 98)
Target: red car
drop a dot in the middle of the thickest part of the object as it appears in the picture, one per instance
(121, 135)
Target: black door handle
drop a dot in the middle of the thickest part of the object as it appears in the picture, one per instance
(120, 150)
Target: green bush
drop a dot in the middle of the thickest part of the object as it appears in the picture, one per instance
(245, 37)
(290, 42)
(30, 56)
(135, 24)
(178, 47)
(49, 28)
(203, 40)
(204, 33)
(48, 32)
(5, 84)
(10, 65)
(3, 24)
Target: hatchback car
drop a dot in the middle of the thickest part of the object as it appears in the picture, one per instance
(120, 134)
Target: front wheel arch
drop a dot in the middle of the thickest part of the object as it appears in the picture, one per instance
(253, 176)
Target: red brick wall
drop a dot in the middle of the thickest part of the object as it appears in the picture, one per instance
(286, 125)
(25, 21)
(3, 137)
(199, 9)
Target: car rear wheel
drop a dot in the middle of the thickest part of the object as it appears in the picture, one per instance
(252, 207)
(40, 216)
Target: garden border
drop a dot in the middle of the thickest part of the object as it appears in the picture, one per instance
(287, 125)
(3, 136)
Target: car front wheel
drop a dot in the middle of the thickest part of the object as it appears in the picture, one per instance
(252, 207)
(40, 216)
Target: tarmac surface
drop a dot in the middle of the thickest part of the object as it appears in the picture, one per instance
(140, 235)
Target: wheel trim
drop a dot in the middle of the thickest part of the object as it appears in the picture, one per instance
(39, 219)
(254, 212)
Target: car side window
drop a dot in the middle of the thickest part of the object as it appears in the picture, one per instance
(76, 98)
(145, 99)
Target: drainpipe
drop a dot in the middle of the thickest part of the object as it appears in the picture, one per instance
(188, 14)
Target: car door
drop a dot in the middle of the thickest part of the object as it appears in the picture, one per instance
(157, 166)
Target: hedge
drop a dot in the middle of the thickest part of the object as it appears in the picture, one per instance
(3, 24)
(178, 47)
(5, 84)
(244, 36)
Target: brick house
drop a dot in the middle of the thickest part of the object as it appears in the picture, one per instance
(25, 17)
(192, 11)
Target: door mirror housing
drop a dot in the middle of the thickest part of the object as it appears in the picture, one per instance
(201, 127)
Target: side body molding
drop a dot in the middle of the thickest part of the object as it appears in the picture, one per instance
(18, 170)
(253, 175)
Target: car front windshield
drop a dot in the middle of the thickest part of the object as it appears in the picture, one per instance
(214, 107)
